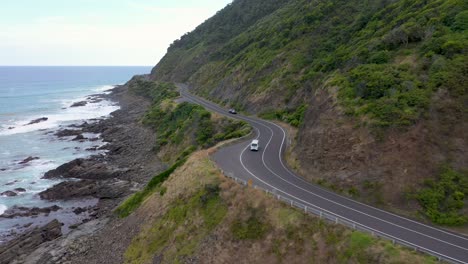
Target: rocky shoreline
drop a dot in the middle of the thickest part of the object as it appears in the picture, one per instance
(128, 163)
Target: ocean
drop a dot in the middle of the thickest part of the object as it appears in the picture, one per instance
(30, 93)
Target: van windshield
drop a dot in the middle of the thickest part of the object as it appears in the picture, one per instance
(254, 145)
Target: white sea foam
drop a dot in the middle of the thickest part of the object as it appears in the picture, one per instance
(104, 88)
(3, 208)
(90, 111)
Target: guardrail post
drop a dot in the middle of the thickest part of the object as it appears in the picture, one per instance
(354, 226)
(336, 220)
(292, 203)
(278, 196)
(320, 214)
(305, 208)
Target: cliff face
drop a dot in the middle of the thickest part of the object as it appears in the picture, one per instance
(377, 89)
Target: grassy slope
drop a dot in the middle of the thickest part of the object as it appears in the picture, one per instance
(388, 66)
(206, 217)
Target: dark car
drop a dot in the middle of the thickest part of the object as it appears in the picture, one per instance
(232, 111)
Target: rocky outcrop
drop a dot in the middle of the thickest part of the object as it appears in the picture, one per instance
(28, 242)
(81, 103)
(79, 137)
(21, 211)
(35, 121)
(14, 192)
(106, 189)
(28, 159)
(84, 169)
(12, 182)
(68, 132)
(8, 193)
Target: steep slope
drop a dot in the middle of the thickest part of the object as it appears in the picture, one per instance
(195, 49)
(377, 89)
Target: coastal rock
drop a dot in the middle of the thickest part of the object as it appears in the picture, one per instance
(11, 183)
(28, 159)
(79, 210)
(35, 121)
(81, 103)
(68, 133)
(21, 211)
(79, 137)
(68, 170)
(84, 124)
(28, 242)
(20, 189)
(107, 189)
(8, 193)
(84, 169)
(11, 127)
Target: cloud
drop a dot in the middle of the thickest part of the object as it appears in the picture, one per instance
(96, 40)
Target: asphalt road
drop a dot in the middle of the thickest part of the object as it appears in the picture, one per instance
(267, 169)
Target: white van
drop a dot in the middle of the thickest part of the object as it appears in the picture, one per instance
(254, 145)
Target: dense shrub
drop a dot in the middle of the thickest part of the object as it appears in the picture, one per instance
(443, 200)
(294, 117)
(380, 57)
(156, 91)
(389, 95)
(461, 21)
(253, 228)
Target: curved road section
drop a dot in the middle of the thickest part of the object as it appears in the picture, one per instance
(267, 170)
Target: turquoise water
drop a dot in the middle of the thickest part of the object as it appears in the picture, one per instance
(27, 93)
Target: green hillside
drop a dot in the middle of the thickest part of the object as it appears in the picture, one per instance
(392, 52)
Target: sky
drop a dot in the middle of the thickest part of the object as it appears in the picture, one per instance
(96, 32)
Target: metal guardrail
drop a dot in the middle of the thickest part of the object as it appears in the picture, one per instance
(337, 219)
